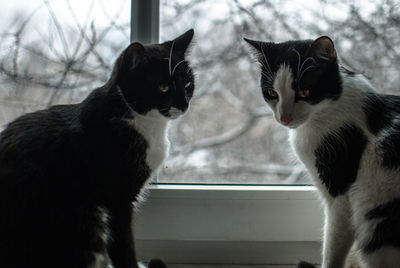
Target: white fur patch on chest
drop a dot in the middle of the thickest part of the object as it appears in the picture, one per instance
(153, 127)
(304, 144)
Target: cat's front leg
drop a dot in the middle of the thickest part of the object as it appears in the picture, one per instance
(338, 233)
(121, 247)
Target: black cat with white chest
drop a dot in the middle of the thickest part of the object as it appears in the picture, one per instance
(70, 175)
(347, 136)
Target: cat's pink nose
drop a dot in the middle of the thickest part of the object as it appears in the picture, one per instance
(285, 120)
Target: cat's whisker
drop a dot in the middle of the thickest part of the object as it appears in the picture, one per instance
(266, 61)
(164, 109)
(173, 71)
(304, 71)
(265, 67)
(298, 62)
(352, 97)
(304, 62)
(268, 76)
(170, 57)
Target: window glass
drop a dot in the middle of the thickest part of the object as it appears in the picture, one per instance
(57, 51)
(229, 135)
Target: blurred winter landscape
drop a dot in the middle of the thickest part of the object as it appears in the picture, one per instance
(58, 51)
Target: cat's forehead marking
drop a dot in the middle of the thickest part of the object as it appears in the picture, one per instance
(283, 81)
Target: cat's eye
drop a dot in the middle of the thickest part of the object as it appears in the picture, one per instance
(188, 84)
(272, 93)
(163, 88)
(303, 93)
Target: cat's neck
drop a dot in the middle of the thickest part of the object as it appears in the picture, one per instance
(151, 120)
(153, 127)
(348, 108)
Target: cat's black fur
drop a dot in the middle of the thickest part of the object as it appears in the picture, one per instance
(70, 174)
(381, 112)
(338, 170)
(387, 231)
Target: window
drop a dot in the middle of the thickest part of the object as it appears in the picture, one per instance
(230, 135)
(249, 224)
(57, 51)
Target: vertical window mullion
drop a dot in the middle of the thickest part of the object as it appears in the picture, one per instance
(145, 21)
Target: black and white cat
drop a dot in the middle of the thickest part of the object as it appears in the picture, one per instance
(348, 137)
(70, 175)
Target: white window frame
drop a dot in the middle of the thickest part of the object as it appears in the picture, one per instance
(223, 224)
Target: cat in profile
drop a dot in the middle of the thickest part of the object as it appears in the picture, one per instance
(71, 175)
(348, 137)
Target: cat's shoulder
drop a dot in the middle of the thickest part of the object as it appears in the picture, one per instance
(381, 111)
(40, 129)
(46, 121)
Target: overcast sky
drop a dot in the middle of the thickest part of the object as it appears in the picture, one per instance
(99, 10)
(92, 10)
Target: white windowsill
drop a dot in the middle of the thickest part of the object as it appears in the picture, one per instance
(230, 224)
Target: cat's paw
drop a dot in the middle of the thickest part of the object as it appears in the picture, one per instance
(157, 263)
(304, 264)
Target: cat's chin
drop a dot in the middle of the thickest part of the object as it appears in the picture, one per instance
(174, 113)
(294, 125)
(172, 117)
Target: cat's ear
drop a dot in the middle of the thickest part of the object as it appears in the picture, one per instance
(131, 55)
(258, 47)
(324, 49)
(127, 60)
(181, 43)
(255, 44)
